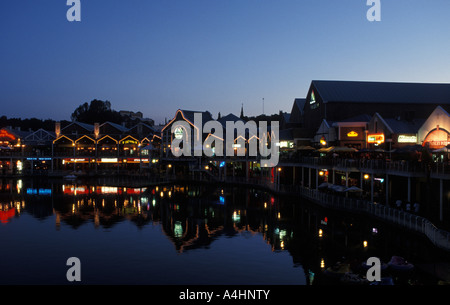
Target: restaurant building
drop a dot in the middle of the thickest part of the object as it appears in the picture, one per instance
(335, 101)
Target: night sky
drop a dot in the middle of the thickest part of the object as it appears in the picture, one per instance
(156, 56)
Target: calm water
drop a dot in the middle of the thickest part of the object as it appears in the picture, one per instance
(188, 234)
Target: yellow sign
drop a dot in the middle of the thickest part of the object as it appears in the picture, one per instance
(352, 134)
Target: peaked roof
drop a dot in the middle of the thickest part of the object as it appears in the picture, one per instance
(229, 117)
(86, 126)
(382, 92)
(116, 126)
(402, 126)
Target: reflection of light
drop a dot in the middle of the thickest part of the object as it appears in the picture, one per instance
(265, 205)
(282, 244)
(365, 244)
(154, 202)
(236, 215)
(320, 233)
(178, 229)
(19, 166)
(279, 215)
(322, 263)
(282, 234)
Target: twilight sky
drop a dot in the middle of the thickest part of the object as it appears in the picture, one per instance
(156, 56)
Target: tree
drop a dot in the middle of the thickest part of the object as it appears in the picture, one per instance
(96, 111)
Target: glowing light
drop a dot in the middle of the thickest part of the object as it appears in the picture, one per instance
(320, 232)
(375, 138)
(365, 244)
(366, 176)
(322, 263)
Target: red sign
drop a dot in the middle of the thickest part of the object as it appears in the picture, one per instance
(4, 134)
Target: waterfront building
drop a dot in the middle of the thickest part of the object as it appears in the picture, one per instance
(106, 147)
(339, 100)
(393, 133)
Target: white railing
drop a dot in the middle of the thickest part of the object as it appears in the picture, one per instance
(438, 237)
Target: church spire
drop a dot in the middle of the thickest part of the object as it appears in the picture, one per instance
(242, 111)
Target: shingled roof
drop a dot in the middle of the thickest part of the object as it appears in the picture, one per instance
(382, 92)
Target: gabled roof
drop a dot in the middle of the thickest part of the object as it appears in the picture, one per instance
(382, 92)
(86, 126)
(189, 115)
(40, 135)
(402, 126)
(300, 103)
(119, 127)
(230, 118)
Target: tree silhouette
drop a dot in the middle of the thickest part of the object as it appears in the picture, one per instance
(96, 111)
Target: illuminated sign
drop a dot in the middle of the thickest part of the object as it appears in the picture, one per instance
(352, 134)
(437, 138)
(109, 160)
(375, 138)
(313, 98)
(137, 160)
(76, 160)
(178, 132)
(5, 134)
(407, 138)
(32, 191)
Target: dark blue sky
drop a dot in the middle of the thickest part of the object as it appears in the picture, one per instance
(156, 56)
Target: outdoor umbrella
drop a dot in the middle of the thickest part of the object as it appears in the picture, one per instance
(353, 189)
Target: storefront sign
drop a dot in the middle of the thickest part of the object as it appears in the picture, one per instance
(407, 138)
(437, 138)
(375, 138)
(5, 135)
(109, 160)
(352, 134)
(137, 160)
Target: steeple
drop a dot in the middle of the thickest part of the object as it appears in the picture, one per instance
(242, 111)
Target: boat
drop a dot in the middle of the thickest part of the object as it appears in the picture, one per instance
(400, 264)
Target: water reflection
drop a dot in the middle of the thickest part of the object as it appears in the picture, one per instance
(194, 217)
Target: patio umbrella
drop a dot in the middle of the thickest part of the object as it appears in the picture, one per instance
(325, 185)
(344, 149)
(353, 189)
(338, 188)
